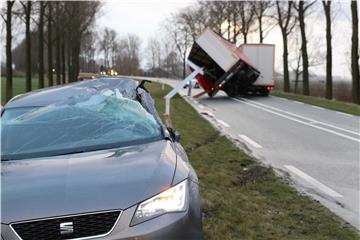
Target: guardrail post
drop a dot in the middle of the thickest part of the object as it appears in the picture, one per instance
(189, 89)
(167, 106)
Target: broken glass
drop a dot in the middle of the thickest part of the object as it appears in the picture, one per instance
(96, 118)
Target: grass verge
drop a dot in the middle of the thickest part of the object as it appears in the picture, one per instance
(240, 198)
(321, 102)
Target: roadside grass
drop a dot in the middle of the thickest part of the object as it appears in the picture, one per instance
(19, 86)
(321, 102)
(240, 198)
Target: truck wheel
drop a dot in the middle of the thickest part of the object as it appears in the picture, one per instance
(265, 92)
(231, 93)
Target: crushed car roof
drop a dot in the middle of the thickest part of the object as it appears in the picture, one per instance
(47, 96)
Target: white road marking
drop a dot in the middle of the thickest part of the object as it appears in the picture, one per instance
(313, 181)
(344, 114)
(317, 107)
(299, 116)
(250, 141)
(201, 106)
(299, 121)
(298, 102)
(223, 123)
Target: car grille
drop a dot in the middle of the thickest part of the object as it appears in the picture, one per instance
(84, 226)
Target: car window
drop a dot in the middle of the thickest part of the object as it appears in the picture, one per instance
(89, 121)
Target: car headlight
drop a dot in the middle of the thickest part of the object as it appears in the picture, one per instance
(171, 200)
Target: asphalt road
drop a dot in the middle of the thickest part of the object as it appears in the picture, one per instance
(318, 148)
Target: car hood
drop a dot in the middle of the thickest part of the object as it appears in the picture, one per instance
(86, 182)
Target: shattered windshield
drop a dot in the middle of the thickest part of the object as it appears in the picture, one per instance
(90, 121)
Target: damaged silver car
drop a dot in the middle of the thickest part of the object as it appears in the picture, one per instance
(92, 160)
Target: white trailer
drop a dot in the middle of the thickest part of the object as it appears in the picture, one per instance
(262, 56)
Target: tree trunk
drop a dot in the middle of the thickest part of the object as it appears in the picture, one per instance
(260, 29)
(297, 75)
(8, 51)
(184, 67)
(57, 46)
(75, 58)
(354, 54)
(327, 10)
(69, 61)
(234, 28)
(41, 44)
(28, 46)
(50, 62)
(245, 37)
(285, 63)
(306, 90)
(58, 58)
(228, 29)
(63, 63)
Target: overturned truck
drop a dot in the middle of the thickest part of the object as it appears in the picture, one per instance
(235, 70)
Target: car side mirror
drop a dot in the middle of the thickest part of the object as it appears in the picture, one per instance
(175, 135)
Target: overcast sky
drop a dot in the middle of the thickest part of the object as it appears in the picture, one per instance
(142, 18)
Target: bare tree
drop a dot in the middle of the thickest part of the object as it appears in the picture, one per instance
(213, 14)
(355, 54)
(193, 17)
(59, 29)
(230, 15)
(133, 43)
(63, 64)
(171, 63)
(327, 10)
(232, 21)
(181, 36)
(113, 53)
(316, 56)
(27, 12)
(128, 59)
(41, 43)
(107, 43)
(246, 17)
(286, 22)
(58, 42)
(154, 53)
(295, 59)
(49, 44)
(7, 19)
(88, 51)
(301, 7)
(260, 9)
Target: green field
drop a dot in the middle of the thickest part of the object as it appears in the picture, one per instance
(18, 86)
(240, 198)
(322, 102)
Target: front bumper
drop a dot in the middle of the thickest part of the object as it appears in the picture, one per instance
(181, 225)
